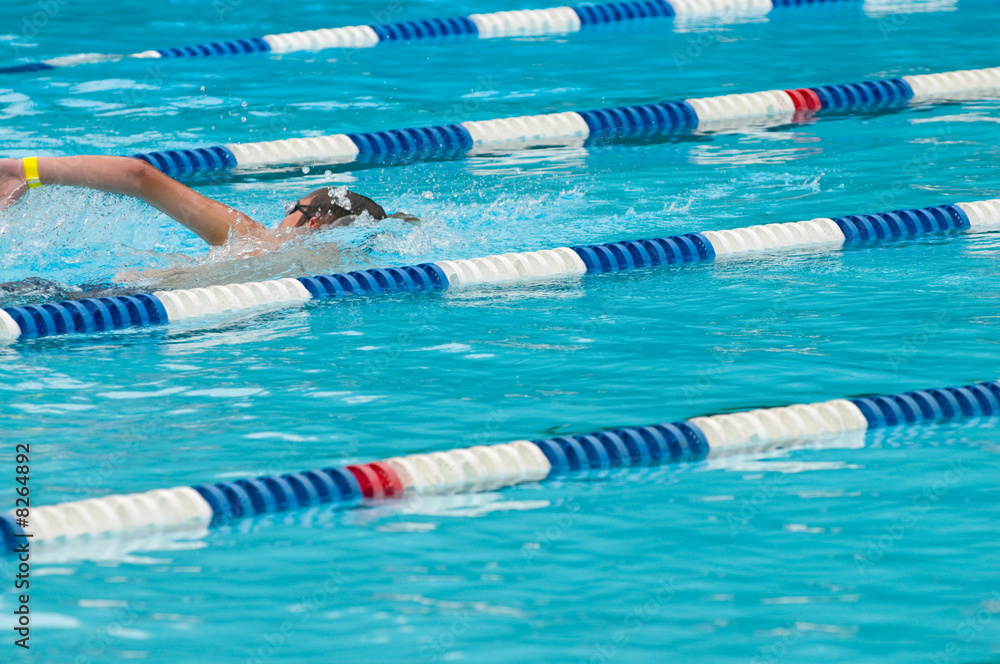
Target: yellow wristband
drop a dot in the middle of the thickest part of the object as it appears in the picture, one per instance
(31, 171)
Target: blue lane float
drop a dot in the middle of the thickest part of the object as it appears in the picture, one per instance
(88, 315)
(554, 20)
(92, 315)
(840, 422)
(179, 163)
(706, 114)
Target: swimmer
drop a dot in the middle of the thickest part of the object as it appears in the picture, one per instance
(214, 222)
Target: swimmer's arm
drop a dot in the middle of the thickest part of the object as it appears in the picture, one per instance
(210, 220)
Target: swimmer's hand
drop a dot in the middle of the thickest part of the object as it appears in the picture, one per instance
(12, 182)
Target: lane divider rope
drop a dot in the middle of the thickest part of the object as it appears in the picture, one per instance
(490, 467)
(161, 307)
(768, 108)
(526, 22)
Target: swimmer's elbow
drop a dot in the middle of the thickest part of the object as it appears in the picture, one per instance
(137, 177)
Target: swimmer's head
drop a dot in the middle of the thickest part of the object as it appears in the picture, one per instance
(330, 207)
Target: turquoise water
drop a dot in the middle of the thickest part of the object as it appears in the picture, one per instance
(883, 552)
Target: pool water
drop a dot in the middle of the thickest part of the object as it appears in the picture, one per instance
(880, 552)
